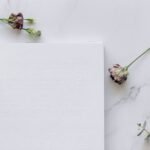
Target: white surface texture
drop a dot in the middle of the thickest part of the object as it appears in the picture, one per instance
(124, 27)
(51, 97)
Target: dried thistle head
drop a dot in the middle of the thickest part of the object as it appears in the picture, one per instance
(118, 73)
(16, 21)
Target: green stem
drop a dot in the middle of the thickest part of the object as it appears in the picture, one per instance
(137, 58)
(27, 19)
(24, 29)
(30, 20)
(4, 19)
(27, 30)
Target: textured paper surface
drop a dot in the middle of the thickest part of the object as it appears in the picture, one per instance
(51, 96)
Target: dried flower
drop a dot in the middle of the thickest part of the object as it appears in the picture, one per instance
(142, 129)
(16, 21)
(119, 74)
(33, 32)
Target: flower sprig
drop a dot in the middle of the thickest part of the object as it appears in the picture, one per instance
(142, 128)
(119, 74)
(32, 32)
(16, 21)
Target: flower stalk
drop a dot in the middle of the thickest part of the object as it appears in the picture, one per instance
(6, 20)
(119, 74)
(138, 57)
(16, 21)
(32, 32)
(30, 20)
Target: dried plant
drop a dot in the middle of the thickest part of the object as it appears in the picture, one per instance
(16, 21)
(119, 74)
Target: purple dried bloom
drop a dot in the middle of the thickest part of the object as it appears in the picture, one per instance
(118, 74)
(16, 21)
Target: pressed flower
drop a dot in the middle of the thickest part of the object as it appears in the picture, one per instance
(119, 74)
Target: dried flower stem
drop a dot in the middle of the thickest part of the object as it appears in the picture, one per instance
(16, 21)
(137, 58)
(30, 20)
(32, 32)
(4, 19)
(143, 129)
(7, 20)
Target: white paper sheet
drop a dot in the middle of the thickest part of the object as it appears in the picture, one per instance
(51, 96)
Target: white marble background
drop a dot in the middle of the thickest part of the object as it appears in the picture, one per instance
(124, 27)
